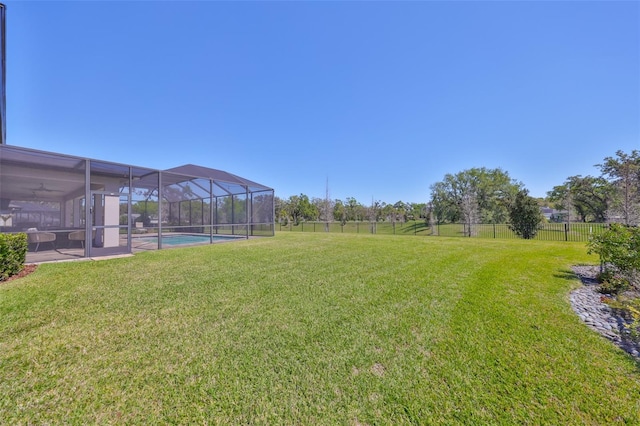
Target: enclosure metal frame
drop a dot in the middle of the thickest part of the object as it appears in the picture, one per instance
(27, 172)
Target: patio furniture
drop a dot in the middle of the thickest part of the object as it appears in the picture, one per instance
(38, 237)
(80, 236)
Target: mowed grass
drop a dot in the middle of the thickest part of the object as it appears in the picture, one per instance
(312, 329)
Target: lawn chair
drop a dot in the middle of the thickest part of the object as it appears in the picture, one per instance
(80, 236)
(39, 237)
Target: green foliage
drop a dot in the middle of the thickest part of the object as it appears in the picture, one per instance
(13, 251)
(619, 246)
(473, 195)
(524, 215)
(297, 208)
(612, 283)
(623, 171)
(145, 219)
(145, 207)
(589, 196)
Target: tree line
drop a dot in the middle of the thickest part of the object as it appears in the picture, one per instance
(301, 208)
(612, 196)
(481, 195)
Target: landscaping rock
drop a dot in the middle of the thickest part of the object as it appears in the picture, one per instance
(588, 304)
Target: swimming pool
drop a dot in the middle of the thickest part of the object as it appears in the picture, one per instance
(182, 239)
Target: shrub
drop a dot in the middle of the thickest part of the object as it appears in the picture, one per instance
(619, 246)
(524, 215)
(13, 252)
(612, 283)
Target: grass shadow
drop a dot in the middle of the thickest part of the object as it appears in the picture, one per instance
(566, 274)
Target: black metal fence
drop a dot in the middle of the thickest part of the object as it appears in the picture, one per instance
(574, 231)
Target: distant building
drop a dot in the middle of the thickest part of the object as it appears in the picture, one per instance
(554, 215)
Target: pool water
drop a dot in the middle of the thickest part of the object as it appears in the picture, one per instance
(180, 239)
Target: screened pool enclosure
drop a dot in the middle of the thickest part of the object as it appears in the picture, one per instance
(72, 207)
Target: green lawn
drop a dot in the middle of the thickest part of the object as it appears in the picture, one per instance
(312, 329)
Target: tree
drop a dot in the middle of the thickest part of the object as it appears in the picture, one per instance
(355, 210)
(417, 211)
(327, 208)
(261, 208)
(307, 210)
(623, 172)
(402, 209)
(477, 195)
(375, 211)
(300, 208)
(589, 196)
(340, 211)
(281, 210)
(524, 215)
(470, 210)
(386, 211)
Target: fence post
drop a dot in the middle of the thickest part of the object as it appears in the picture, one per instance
(314, 227)
(357, 227)
(302, 224)
(566, 232)
(494, 231)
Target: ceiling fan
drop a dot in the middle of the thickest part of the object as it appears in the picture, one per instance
(43, 188)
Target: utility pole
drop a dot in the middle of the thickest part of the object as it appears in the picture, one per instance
(327, 207)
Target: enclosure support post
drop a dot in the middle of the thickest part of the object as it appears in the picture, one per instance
(246, 209)
(88, 213)
(211, 223)
(233, 215)
(129, 209)
(160, 194)
(273, 213)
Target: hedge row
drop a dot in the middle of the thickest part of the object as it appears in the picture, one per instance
(13, 252)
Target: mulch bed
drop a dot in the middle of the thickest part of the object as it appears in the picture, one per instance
(25, 271)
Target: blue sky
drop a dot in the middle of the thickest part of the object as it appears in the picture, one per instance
(380, 98)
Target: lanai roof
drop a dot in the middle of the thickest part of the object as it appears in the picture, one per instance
(217, 175)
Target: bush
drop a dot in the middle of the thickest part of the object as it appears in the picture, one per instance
(524, 215)
(612, 283)
(13, 252)
(619, 246)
